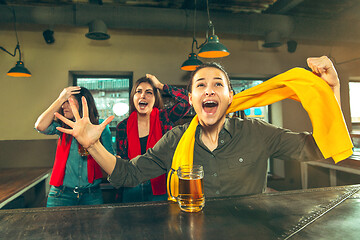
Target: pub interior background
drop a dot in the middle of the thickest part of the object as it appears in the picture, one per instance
(160, 52)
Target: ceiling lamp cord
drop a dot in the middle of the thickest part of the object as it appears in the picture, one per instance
(212, 48)
(19, 70)
(192, 62)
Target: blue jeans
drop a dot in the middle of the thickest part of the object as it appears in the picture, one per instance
(141, 193)
(62, 196)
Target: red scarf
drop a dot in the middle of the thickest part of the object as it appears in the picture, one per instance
(61, 157)
(158, 184)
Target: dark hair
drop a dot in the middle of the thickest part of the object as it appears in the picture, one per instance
(208, 65)
(158, 100)
(93, 112)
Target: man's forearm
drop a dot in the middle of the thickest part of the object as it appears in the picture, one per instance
(104, 158)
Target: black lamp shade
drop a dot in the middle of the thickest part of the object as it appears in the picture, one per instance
(19, 70)
(213, 49)
(97, 31)
(191, 63)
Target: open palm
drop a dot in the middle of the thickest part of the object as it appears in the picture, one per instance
(83, 130)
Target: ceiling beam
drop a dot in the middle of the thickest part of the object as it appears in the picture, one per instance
(282, 7)
(142, 18)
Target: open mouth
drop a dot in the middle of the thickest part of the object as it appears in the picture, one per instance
(210, 106)
(143, 105)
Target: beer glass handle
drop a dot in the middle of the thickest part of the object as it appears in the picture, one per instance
(172, 171)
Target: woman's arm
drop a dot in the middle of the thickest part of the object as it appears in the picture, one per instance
(46, 118)
(155, 81)
(88, 136)
(103, 157)
(182, 105)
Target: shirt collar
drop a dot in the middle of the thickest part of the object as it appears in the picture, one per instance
(228, 127)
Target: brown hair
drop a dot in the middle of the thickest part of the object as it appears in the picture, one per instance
(208, 65)
(158, 100)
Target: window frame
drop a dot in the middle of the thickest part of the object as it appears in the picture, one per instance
(74, 75)
(253, 78)
(355, 126)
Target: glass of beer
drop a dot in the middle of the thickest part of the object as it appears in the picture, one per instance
(191, 196)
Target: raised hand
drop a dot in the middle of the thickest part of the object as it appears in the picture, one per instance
(83, 130)
(155, 81)
(46, 118)
(67, 92)
(324, 68)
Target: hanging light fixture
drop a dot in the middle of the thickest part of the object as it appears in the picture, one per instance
(192, 62)
(212, 47)
(272, 40)
(97, 30)
(19, 70)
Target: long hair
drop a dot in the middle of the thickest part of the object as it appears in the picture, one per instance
(93, 112)
(208, 65)
(158, 99)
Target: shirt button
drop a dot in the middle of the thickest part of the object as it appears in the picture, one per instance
(222, 141)
(217, 192)
(215, 174)
(241, 159)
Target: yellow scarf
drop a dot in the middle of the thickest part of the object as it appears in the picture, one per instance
(315, 95)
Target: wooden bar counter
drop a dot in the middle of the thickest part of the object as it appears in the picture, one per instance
(323, 213)
(16, 181)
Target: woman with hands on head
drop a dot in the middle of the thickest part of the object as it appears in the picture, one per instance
(147, 123)
(76, 176)
(233, 151)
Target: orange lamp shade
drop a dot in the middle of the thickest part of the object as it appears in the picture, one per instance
(213, 49)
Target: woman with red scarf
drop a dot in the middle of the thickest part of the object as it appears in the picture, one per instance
(147, 123)
(75, 177)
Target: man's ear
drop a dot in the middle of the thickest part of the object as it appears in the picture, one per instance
(190, 99)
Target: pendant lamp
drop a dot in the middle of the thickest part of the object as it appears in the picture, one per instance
(97, 30)
(19, 70)
(212, 47)
(192, 62)
(272, 40)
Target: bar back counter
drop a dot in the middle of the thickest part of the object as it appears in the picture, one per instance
(322, 213)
